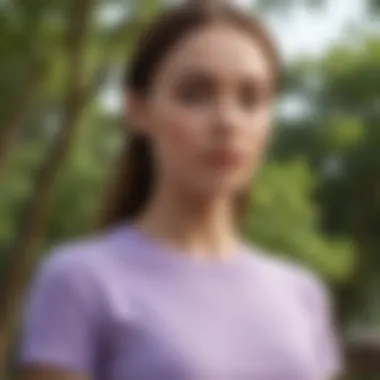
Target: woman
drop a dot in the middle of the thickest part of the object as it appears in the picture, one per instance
(173, 292)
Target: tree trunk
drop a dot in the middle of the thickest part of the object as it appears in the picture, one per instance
(33, 230)
(10, 133)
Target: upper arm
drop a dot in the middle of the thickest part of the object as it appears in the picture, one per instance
(327, 344)
(59, 333)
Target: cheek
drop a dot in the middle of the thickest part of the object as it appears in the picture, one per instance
(258, 135)
(178, 134)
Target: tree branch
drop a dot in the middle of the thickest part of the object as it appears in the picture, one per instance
(11, 133)
(33, 230)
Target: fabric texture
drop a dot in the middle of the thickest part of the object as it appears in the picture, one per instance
(122, 306)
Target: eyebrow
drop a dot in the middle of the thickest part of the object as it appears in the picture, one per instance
(198, 74)
(191, 74)
(195, 74)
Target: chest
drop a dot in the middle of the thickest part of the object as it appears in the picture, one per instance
(209, 330)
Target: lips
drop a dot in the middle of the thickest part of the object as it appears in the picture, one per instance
(225, 158)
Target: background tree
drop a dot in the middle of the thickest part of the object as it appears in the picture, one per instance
(316, 200)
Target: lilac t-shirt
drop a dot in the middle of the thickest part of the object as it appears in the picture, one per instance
(120, 306)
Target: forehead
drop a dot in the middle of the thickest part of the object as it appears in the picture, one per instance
(219, 50)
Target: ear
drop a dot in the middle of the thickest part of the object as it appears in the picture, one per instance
(135, 112)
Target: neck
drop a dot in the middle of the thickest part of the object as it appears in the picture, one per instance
(190, 224)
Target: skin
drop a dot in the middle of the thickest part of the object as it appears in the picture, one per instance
(211, 95)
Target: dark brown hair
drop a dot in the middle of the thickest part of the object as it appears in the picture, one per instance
(134, 181)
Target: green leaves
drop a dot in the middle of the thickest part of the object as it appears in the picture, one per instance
(343, 132)
(284, 218)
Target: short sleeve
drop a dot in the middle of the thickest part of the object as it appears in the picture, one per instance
(60, 318)
(325, 336)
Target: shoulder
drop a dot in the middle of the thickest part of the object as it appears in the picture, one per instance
(67, 305)
(75, 257)
(313, 300)
(77, 264)
(294, 277)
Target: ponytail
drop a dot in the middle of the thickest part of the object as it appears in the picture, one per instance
(132, 183)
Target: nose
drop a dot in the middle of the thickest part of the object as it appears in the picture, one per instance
(226, 118)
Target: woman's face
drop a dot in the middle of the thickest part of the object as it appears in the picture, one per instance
(208, 112)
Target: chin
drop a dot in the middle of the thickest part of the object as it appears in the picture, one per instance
(221, 189)
(210, 185)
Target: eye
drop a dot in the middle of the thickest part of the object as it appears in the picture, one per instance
(251, 95)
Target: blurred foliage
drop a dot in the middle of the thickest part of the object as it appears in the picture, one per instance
(317, 200)
(340, 137)
(282, 200)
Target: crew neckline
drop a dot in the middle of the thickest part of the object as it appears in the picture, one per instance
(157, 253)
